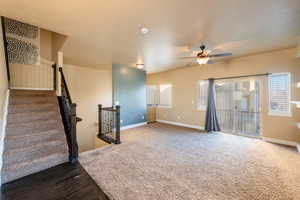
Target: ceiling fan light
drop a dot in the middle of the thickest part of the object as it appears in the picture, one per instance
(140, 66)
(202, 61)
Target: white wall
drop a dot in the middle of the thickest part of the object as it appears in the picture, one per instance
(89, 86)
(32, 76)
(35, 76)
(3, 94)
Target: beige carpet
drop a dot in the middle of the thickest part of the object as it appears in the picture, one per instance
(164, 162)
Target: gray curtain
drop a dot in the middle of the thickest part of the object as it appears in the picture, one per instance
(211, 119)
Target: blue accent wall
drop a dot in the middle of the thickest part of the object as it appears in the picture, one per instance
(129, 89)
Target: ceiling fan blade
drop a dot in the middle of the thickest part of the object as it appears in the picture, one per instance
(210, 62)
(220, 55)
(192, 57)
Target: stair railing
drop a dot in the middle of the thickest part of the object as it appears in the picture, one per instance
(54, 67)
(68, 110)
(109, 124)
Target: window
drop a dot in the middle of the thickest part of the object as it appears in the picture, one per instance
(165, 95)
(202, 95)
(279, 94)
(152, 95)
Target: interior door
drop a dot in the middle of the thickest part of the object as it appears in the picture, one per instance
(238, 106)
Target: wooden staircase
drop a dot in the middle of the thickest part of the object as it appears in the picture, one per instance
(35, 138)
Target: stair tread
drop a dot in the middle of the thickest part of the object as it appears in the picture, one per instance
(26, 168)
(30, 162)
(34, 129)
(32, 124)
(19, 156)
(28, 114)
(26, 141)
(21, 108)
(29, 117)
(33, 148)
(35, 134)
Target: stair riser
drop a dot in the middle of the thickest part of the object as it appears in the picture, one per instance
(31, 154)
(30, 130)
(33, 108)
(32, 135)
(29, 117)
(16, 172)
(30, 100)
(31, 92)
(27, 141)
(33, 124)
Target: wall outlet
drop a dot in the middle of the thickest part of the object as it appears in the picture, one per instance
(121, 121)
(178, 117)
(143, 117)
(193, 102)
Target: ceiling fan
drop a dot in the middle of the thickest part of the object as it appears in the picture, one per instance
(204, 57)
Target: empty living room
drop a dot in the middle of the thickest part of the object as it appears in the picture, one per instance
(150, 100)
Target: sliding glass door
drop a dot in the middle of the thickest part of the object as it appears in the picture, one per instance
(238, 106)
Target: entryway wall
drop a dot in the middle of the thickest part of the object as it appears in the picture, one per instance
(184, 90)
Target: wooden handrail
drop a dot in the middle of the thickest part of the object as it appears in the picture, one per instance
(63, 80)
(68, 110)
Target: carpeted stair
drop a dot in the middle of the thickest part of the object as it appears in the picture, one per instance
(35, 138)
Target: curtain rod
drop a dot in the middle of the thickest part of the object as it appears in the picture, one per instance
(232, 77)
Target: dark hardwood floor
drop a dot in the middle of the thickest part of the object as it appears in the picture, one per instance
(64, 181)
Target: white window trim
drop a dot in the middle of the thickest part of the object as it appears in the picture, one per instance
(277, 113)
(155, 87)
(162, 105)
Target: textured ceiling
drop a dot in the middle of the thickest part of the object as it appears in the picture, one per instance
(107, 31)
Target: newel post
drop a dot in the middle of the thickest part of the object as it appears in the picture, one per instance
(60, 61)
(73, 156)
(99, 119)
(118, 136)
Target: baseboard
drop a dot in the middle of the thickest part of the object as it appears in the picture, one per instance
(283, 142)
(181, 124)
(25, 88)
(3, 127)
(133, 126)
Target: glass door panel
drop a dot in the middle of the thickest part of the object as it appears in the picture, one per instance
(238, 106)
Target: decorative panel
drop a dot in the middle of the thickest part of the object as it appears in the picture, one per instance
(23, 42)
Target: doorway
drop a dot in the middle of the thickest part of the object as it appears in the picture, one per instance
(238, 106)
